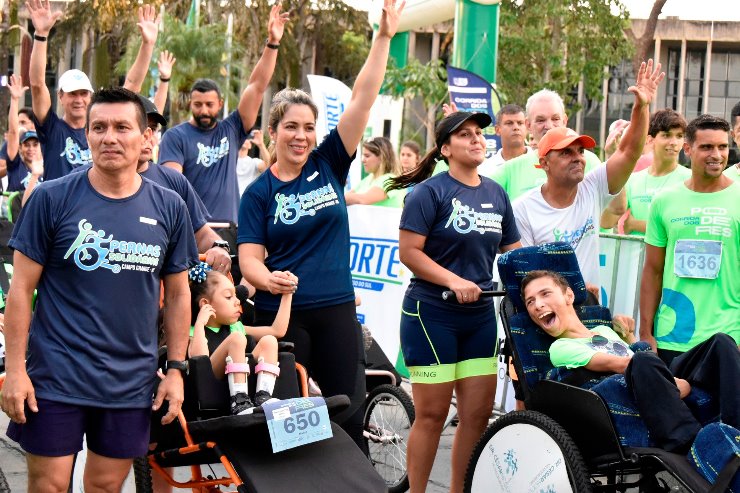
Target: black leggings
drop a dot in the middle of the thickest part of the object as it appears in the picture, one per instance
(328, 342)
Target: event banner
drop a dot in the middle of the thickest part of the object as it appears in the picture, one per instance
(332, 97)
(473, 93)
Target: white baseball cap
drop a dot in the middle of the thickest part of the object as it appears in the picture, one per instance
(74, 80)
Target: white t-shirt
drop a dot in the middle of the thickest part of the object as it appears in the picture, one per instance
(578, 224)
(246, 171)
(488, 166)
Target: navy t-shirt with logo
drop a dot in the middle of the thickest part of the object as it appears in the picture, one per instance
(464, 227)
(64, 148)
(304, 227)
(18, 173)
(208, 159)
(93, 337)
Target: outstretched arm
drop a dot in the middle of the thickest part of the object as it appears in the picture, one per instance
(280, 325)
(43, 20)
(372, 196)
(251, 98)
(164, 65)
(620, 165)
(149, 28)
(351, 126)
(15, 86)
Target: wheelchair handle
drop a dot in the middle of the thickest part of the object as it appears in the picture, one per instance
(450, 295)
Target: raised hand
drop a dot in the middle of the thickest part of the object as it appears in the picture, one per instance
(648, 80)
(148, 24)
(16, 87)
(41, 16)
(164, 65)
(448, 109)
(389, 19)
(276, 24)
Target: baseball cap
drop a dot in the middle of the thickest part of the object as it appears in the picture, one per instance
(74, 80)
(449, 124)
(28, 134)
(561, 137)
(151, 110)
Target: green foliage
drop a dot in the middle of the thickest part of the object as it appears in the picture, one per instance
(427, 81)
(552, 44)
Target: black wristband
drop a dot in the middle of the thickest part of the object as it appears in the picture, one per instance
(162, 79)
(272, 46)
(39, 38)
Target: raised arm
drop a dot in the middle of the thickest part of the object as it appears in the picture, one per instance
(43, 20)
(280, 325)
(251, 98)
(620, 165)
(16, 89)
(164, 65)
(37, 171)
(351, 126)
(149, 28)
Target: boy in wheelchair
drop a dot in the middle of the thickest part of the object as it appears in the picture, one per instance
(713, 365)
(217, 332)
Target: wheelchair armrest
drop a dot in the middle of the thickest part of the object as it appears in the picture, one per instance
(208, 392)
(285, 347)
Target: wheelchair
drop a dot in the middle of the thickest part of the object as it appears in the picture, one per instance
(205, 433)
(571, 439)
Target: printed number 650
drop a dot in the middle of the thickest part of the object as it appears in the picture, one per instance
(301, 422)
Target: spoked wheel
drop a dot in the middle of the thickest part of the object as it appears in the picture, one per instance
(389, 414)
(526, 451)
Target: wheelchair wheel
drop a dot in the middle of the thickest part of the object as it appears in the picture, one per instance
(389, 414)
(142, 475)
(526, 451)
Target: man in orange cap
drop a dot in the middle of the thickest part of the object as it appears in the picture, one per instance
(568, 206)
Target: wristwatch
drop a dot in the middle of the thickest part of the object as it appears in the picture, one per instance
(222, 244)
(183, 366)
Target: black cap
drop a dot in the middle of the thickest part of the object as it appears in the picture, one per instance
(151, 110)
(449, 124)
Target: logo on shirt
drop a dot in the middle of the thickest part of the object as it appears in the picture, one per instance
(75, 155)
(466, 219)
(708, 220)
(574, 237)
(208, 155)
(290, 208)
(27, 179)
(92, 250)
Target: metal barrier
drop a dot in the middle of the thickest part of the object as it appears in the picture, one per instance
(621, 259)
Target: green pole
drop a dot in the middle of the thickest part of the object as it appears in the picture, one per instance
(476, 37)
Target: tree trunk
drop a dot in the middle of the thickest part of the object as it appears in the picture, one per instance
(642, 44)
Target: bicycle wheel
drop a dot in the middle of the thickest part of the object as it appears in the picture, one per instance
(142, 475)
(389, 414)
(526, 451)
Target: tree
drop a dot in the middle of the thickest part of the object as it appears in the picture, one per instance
(648, 35)
(554, 44)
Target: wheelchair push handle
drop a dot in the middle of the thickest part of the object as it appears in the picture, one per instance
(450, 295)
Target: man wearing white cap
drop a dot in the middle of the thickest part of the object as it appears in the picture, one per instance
(63, 139)
(568, 206)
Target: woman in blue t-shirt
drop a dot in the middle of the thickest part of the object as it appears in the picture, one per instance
(294, 218)
(452, 226)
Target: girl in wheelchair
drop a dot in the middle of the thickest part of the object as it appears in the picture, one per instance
(658, 390)
(218, 333)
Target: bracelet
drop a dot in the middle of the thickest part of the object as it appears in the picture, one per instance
(272, 46)
(162, 79)
(39, 38)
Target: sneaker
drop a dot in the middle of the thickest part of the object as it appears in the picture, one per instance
(263, 397)
(241, 404)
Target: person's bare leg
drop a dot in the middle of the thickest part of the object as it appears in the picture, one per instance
(235, 346)
(49, 474)
(431, 404)
(104, 474)
(474, 405)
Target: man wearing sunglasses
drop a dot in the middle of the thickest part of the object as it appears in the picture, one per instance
(658, 390)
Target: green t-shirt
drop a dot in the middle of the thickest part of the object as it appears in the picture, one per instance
(235, 327)
(642, 187)
(575, 353)
(395, 197)
(733, 172)
(701, 278)
(521, 174)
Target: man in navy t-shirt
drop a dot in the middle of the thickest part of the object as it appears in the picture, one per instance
(96, 244)
(63, 139)
(204, 149)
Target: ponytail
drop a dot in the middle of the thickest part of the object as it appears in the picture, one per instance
(423, 171)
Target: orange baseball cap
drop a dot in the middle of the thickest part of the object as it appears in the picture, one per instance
(561, 137)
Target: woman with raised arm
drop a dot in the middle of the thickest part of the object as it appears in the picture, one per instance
(452, 226)
(294, 218)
